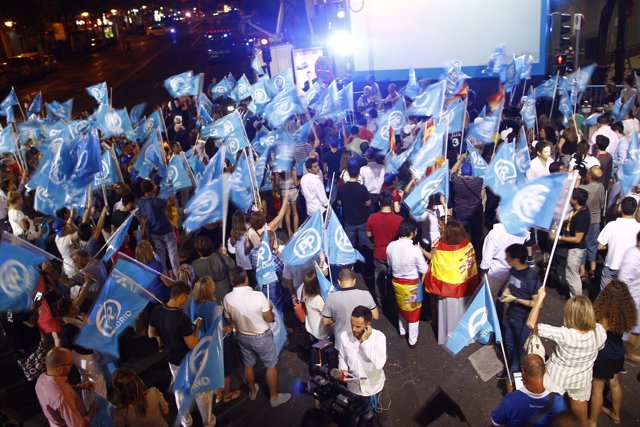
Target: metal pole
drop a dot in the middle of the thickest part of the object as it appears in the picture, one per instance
(553, 99)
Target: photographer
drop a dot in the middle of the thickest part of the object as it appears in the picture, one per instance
(363, 354)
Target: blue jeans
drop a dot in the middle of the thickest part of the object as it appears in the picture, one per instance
(167, 244)
(516, 333)
(607, 276)
(591, 242)
(275, 295)
(357, 234)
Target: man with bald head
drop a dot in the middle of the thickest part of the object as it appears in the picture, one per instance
(595, 204)
(59, 401)
(531, 405)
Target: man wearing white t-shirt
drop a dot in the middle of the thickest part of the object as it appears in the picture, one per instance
(618, 237)
(604, 129)
(312, 188)
(539, 166)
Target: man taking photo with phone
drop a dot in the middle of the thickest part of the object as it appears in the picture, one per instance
(363, 354)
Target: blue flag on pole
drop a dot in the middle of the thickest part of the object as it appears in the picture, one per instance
(455, 116)
(429, 102)
(345, 98)
(222, 88)
(139, 273)
(620, 110)
(502, 171)
(43, 202)
(523, 65)
(206, 205)
(10, 100)
(259, 95)
(224, 126)
(282, 82)
(136, 112)
(18, 272)
(265, 265)
(395, 118)
(592, 120)
(99, 92)
(114, 122)
(479, 322)
(496, 61)
(256, 67)
(197, 168)
(326, 287)
(214, 168)
(546, 89)
(242, 89)
(34, 130)
(60, 110)
(418, 200)
(114, 311)
(240, 186)
(150, 125)
(236, 140)
(425, 153)
(532, 204)
(565, 107)
(478, 164)
(181, 85)
(483, 129)
(312, 95)
(510, 75)
(454, 76)
(306, 243)
(36, 106)
(522, 157)
(89, 162)
(150, 158)
(339, 249)
(117, 239)
(284, 105)
(528, 112)
(176, 178)
(629, 173)
(412, 89)
(265, 140)
(109, 171)
(7, 140)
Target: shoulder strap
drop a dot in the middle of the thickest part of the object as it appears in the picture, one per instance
(541, 412)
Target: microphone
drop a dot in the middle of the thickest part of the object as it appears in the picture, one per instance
(344, 376)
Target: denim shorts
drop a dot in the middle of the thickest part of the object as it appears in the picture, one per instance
(263, 346)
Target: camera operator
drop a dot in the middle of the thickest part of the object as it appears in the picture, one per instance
(363, 354)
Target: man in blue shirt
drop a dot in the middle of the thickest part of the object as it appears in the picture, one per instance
(532, 405)
(154, 210)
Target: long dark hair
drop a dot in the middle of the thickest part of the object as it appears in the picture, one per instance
(128, 389)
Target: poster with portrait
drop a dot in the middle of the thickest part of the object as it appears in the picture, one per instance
(304, 62)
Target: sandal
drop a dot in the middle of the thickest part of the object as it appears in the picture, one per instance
(218, 398)
(608, 412)
(231, 396)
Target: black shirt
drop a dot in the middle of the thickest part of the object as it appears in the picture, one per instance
(353, 197)
(578, 222)
(172, 325)
(333, 162)
(523, 284)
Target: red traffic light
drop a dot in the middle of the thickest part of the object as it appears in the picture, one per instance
(561, 59)
(264, 41)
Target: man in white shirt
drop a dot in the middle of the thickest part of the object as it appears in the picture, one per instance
(618, 237)
(250, 312)
(494, 262)
(373, 175)
(363, 354)
(408, 267)
(312, 188)
(539, 166)
(604, 129)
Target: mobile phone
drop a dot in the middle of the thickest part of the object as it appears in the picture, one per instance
(518, 382)
(196, 320)
(37, 296)
(502, 298)
(280, 248)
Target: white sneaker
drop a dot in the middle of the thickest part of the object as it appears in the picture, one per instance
(280, 399)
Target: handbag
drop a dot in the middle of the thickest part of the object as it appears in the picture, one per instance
(533, 344)
(300, 311)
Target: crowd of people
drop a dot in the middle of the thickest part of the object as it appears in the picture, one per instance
(436, 260)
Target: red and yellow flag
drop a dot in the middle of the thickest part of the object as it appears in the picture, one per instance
(461, 93)
(496, 99)
(453, 272)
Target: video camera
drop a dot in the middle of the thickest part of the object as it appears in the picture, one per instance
(345, 408)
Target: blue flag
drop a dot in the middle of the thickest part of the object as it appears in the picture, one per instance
(231, 80)
(36, 106)
(256, 67)
(339, 249)
(242, 89)
(265, 265)
(222, 88)
(592, 120)
(620, 110)
(313, 94)
(532, 204)
(34, 130)
(103, 417)
(496, 61)
(150, 158)
(7, 141)
(197, 168)
(206, 205)
(327, 102)
(214, 168)
(306, 243)
(240, 185)
(148, 126)
(478, 164)
(99, 92)
(284, 105)
(418, 200)
(429, 102)
(395, 119)
(60, 110)
(483, 129)
(565, 106)
(455, 116)
(522, 157)
(10, 100)
(523, 65)
(224, 126)
(454, 76)
(140, 273)
(279, 331)
(136, 112)
(43, 202)
(502, 173)
(117, 238)
(412, 89)
(236, 141)
(114, 311)
(282, 82)
(182, 85)
(425, 153)
(629, 173)
(478, 323)
(265, 140)
(510, 75)
(528, 112)
(546, 89)
(326, 287)
(89, 162)
(259, 96)
(345, 98)
(109, 171)
(114, 122)
(18, 272)
(176, 178)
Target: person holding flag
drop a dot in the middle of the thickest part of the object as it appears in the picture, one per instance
(540, 165)
(268, 265)
(408, 266)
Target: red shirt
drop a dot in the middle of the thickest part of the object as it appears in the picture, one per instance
(383, 227)
(364, 133)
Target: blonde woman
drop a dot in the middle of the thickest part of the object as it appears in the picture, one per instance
(205, 306)
(578, 341)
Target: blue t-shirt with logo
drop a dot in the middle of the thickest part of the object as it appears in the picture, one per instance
(523, 284)
(518, 407)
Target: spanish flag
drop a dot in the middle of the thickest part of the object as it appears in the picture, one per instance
(453, 272)
(496, 99)
(459, 94)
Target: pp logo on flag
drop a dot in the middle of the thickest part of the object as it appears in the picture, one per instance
(56, 175)
(113, 122)
(505, 171)
(110, 317)
(264, 254)
(342, 240)
(148, 125)
(477, 320)
(279, 82)
(219, 90)
(102, 175)
(308, 244)
(43, 195)
(97, 94)
(396, 119)
(82, 126)
(208, 204)
(260, 96)
(172, 175)
(178, 84)
(522, 158)
(13, 276)
(528, 202)
(285, 106)
(198, 361)
(233, 144)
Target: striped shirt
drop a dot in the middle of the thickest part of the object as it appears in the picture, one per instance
(570, 366)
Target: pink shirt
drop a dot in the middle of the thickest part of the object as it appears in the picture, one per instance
(61, 405)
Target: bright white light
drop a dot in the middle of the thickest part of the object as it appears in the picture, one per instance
(341, 13)
(230, 108)
(188, 14)
(341, 43)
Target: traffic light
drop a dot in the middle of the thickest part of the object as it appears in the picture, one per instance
(266, 50)
(560, 28)
(561, 63)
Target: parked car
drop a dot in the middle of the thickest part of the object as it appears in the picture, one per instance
(28, 66)
(159, 30)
